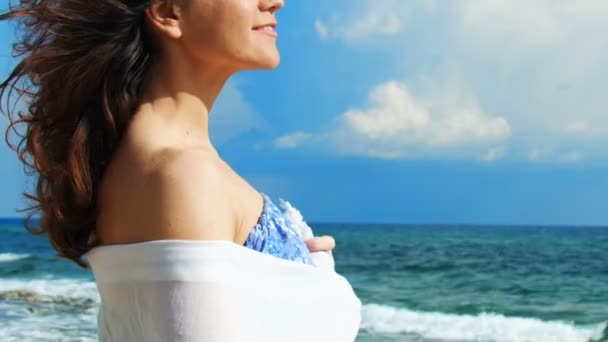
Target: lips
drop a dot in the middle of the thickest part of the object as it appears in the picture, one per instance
(267, 28)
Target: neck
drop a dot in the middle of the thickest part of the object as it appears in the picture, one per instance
(181, 94)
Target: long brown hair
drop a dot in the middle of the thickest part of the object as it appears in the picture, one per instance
(80, 73)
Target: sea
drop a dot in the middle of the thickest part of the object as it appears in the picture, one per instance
(422, 283)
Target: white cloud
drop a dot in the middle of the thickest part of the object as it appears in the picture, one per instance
(373, 18)
(291, 141)
(395, 124)
(392, 112)
(562, 154)
(541, 64)
(372, 24)
(322, 30)
(535, 155)
(363, 28)
(576, 127)
(395, 117)
(494, 153)
(532, 23)
(570, 157)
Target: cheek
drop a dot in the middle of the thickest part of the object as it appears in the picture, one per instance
(219, 33)
(234, 27)
(233, 22)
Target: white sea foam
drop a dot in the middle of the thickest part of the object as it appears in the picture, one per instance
(10, 257)
(382, 319)
(20, 321)
(24, 325)
(41, 328)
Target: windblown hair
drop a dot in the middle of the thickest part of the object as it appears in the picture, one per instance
(81, 67)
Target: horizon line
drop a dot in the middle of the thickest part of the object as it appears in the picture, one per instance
(428, 224)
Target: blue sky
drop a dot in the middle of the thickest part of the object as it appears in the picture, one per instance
(421, 111)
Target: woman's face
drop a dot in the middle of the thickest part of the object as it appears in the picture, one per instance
(235, 34)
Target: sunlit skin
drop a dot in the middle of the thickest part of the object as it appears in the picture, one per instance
(167, 180)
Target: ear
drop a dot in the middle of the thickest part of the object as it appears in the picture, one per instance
(164, 16)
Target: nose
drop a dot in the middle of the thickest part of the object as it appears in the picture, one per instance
(271, 5)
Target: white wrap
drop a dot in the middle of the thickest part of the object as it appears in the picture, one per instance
(218, 291)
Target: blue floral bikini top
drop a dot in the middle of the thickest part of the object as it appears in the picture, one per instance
(273, 235)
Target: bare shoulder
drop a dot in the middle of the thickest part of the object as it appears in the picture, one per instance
(180, 194)
(193, 200)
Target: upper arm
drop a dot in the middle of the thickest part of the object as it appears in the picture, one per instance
(188, 199)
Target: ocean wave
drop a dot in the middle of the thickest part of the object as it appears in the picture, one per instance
(381, 319)
(66, 288)
(48, 310)
(10, 257)
(34, 322)
(35, 305)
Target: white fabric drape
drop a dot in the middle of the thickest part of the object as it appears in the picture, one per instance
(218, 291)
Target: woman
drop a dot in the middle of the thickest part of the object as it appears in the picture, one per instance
(114, 96)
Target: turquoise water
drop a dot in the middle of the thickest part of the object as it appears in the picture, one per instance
(417, 283)
(478, 283)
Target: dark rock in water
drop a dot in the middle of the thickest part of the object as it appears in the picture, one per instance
(41, 304)
(28, 296)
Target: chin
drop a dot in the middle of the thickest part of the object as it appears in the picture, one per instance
(272, 65)
(262, 65)
(265, 61)
(268, 62)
